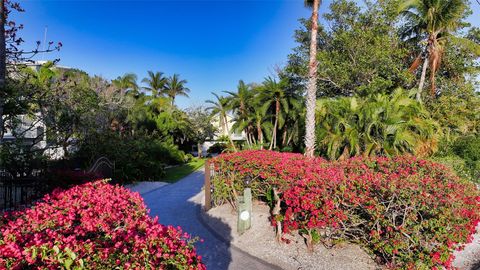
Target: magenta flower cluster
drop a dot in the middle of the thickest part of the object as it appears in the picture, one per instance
(93, 226)
(410, 213)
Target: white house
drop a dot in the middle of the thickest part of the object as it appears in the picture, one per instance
(222, 132)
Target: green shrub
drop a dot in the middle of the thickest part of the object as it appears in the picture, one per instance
(468, 148)
(217, 148)
(137, 158)
(386, 125)
(188, 158)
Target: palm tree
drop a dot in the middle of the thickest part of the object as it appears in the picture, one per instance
(380, 125)
(312, 81)
(431, 22)
(175, 87)
(272, 93)
(220, 108)
(155, 83)
(238, 103)
(127, 83)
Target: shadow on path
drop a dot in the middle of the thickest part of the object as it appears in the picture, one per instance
(178, 204)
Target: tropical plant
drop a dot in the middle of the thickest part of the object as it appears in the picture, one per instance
(175, 87)
(127, 83)
(380, 125)
(272, 96)
(219, 108)
(155, 83)
(431, 22)
(240, 104)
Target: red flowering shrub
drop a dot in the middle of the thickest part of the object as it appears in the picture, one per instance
(262, 169)
(411, 213)
(93, 226)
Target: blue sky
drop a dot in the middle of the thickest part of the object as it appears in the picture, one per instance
(211, 44)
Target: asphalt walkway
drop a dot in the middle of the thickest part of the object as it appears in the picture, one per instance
(178, 204)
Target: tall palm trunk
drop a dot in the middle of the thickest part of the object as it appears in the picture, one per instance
(284, 137)
(435, 58)
(312, 85)
(422, 79)
(260, 133)
(273, 143)
(3, 65)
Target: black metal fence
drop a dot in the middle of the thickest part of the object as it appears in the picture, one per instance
(19, 192)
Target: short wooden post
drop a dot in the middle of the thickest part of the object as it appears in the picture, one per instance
(244, 206)
(208, 194)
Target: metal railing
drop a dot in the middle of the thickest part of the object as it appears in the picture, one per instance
(16, 193)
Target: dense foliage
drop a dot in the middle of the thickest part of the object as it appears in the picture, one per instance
(93, 226)
(382, 124)
(411, 213)
(139, 156)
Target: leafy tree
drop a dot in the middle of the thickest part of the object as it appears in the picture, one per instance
(11, 57)
(155, 83)
(175, 87)
(201, 126)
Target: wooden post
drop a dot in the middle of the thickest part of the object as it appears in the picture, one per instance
(244, 206)
(208, 195)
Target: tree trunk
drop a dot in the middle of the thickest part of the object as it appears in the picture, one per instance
(422, 79)
(312, 85)
(284, 136)
(434, 65)
(273, 143)
(248, 136)
(228, 133)
(3, 66)
(199, 150)
(260, 134)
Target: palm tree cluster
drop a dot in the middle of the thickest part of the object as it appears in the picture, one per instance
(385, 125)
(156, 84)
(268, 114)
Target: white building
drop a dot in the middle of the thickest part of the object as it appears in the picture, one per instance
(222, 132)
(30, 129)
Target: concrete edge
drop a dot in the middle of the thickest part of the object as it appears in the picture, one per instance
(201, 218)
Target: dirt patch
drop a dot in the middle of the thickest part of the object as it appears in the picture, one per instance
(469, 257)
(260, 242)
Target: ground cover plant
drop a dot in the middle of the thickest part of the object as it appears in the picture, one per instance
(93, 226)
(407, 212)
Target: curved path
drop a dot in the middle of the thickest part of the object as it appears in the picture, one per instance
(179, 204)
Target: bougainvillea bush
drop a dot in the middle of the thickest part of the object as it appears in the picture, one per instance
(92, 226)
(409, 213)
